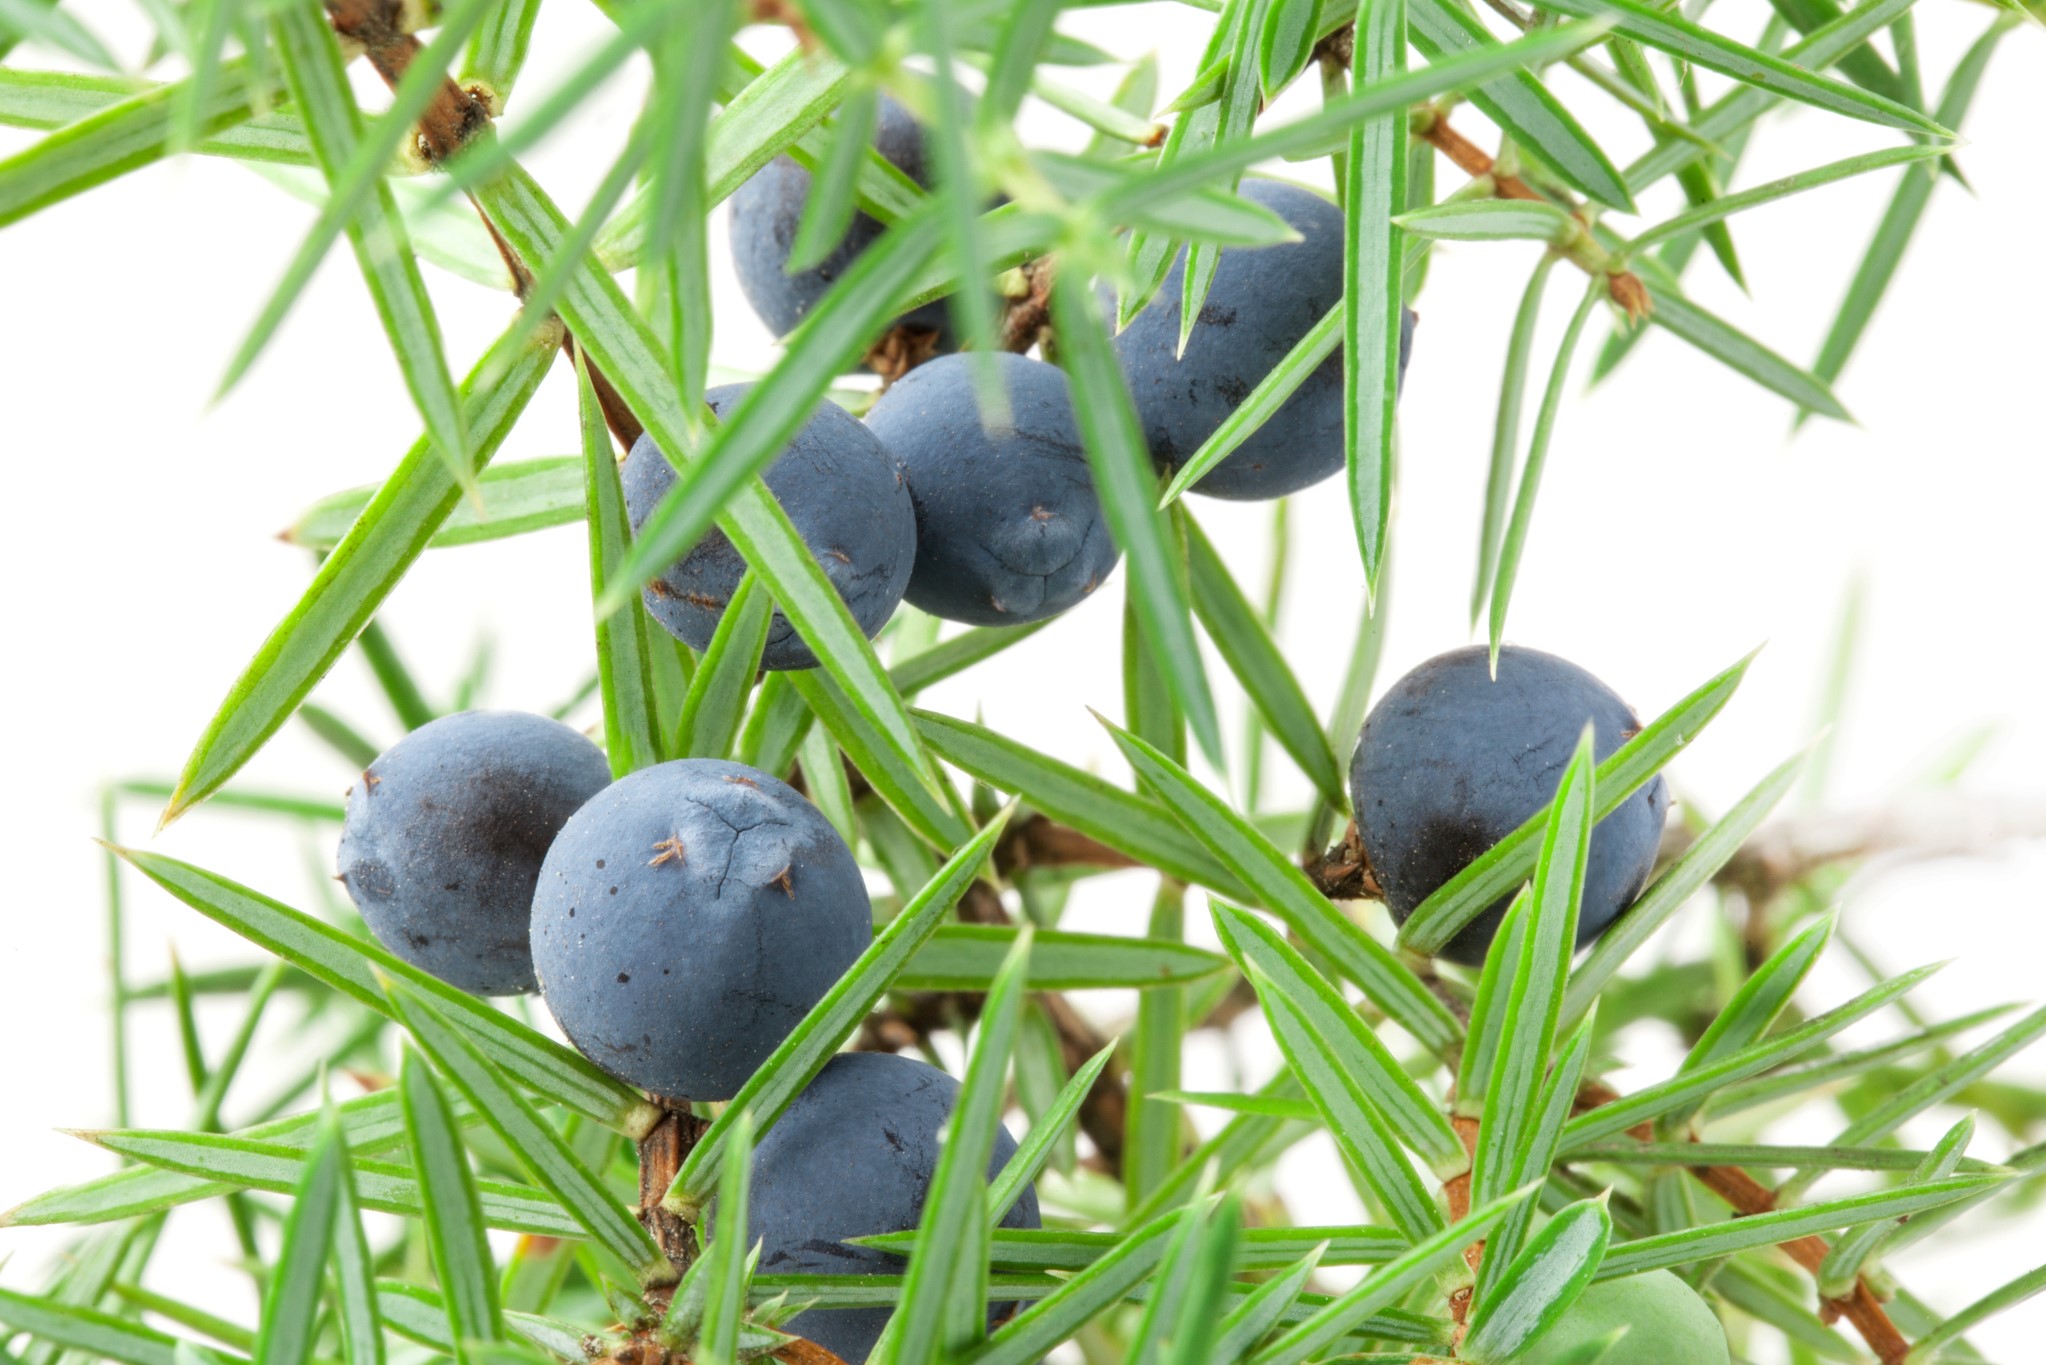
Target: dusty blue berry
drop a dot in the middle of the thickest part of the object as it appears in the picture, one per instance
(846, 496)
(1451, 761)
(768, 209)
(444, 837)
(687, 919)
(1261, 302)
(853, 1157)
(1009, 528)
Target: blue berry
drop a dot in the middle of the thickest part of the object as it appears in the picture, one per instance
(1451, 761)
(1009, 529)
(767, 210)
(853, 1157)
(1262, 301)
(687, 919)
(846, 496)
(445, 834)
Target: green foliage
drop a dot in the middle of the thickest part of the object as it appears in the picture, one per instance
(1468, 1108)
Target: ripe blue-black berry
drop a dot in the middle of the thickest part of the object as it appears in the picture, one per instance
(845, 495)
(853, 1157)
(1451, 761)
(686, 920)
(768, 209)
(445, 833)
(1009, 529)
(1262, 301)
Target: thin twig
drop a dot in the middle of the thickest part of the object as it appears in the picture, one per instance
(1786, 852)
(454, 117)
(1473, 160)
(1104, 1114)
(617, 413)
(1035, 841)
(1747, 1197)
(1433, 127)
(661, 1154)
(1456, 1193)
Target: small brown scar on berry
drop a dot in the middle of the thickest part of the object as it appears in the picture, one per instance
(1093, 582)
(783, 880)
(369, 780)
(1038, 513)
(738, 781)
(669, 849)
(704, 599)
(839, 555)
(998, 605)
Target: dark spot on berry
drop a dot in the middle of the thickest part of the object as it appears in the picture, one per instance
(370, 880)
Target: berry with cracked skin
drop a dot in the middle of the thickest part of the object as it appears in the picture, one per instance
(1261, 302)
(1451, 761)
(848, 500)
(1009, 529)
(853, 1157)
(686, 920)
(445, 833)
(1667, 1324)
(768, 209)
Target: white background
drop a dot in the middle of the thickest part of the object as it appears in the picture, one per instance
(1680, 526)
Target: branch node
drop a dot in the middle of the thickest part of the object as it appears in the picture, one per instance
(1339, 48)
(1027, 319)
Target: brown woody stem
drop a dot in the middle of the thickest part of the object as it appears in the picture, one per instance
(1473, 160)
(617, 415)
(1747, 1197)
(379, 26)
(1624, 287)
(1456, 1193)
(661, 1154)
(1035, 841)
